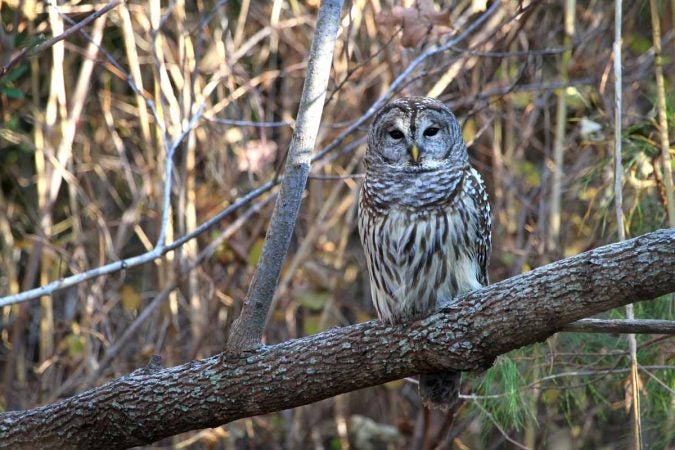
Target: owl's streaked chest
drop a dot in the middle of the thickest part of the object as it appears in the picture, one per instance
(418, 258)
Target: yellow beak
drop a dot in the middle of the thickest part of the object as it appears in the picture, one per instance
(415, 153)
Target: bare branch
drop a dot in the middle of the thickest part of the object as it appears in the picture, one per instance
(644, 326)
(32, 51)
(553, 237)
(248, 329)
(618, 207)
(662, 112)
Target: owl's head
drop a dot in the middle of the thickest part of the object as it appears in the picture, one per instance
(415, 134)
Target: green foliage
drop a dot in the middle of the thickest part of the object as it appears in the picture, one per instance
(505, 381)
(7, 83)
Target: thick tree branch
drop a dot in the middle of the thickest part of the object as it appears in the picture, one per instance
(150, 404)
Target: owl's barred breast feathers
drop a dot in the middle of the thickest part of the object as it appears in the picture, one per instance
(420, 254)
(424, 218)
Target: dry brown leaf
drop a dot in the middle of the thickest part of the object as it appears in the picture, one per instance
(418, 22)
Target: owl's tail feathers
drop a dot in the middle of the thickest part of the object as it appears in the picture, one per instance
(440, 390)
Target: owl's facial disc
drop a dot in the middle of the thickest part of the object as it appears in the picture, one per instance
(407, 144)
(416, 134)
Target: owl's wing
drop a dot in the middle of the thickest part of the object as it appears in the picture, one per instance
(484, 231)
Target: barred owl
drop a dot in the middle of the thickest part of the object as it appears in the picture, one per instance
(424, 220)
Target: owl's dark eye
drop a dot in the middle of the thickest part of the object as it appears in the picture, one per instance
(431, 131)
(396, 134)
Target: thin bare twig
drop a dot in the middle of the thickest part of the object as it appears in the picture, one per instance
(662, 112)
(32, 51)
(134, 260)
(655, 378)
(521, 54)
(644, 326)
(242, 337)
(247, 123)
(496, 424)
(553, 237)
(618, 205)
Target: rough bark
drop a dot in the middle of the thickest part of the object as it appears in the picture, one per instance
(153, 403)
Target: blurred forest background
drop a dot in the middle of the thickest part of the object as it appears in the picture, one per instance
(87, 124)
